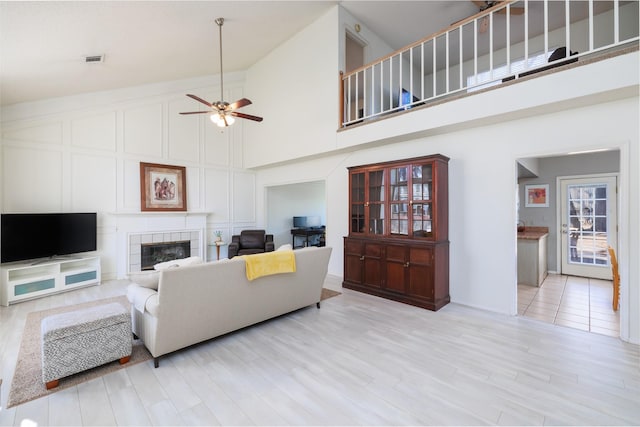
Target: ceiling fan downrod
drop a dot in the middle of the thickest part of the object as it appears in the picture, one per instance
(220, 22)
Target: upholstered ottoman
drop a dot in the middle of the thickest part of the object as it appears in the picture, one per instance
(79, 340)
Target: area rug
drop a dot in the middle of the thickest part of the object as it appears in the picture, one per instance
(328, 293)
(27, 380)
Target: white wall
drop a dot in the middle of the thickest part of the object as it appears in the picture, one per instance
(82, 153)
(296, 89)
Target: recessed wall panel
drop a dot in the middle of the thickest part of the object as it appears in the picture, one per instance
(32, 180)
(244, 192)
(216, 143)
(93, 183)
(183, 130)
(96, 132)
(131, 190)
(143, 130)
(48, 133)
(217, 194)
(193, 189)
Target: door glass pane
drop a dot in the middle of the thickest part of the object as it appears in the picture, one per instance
(587, 224)
(376, 186)
(376, 218)
(357, 218)
(399, 218)
(421, 216)
(421, 179)
(357, 187)
(398, 183)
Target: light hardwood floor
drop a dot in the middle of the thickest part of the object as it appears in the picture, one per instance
(359, 360)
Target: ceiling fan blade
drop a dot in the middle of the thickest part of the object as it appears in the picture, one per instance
(197, 98)
(239, 104)
(246, 116)
(513, 11)
(197, 112)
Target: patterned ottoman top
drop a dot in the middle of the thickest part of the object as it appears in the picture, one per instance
(81, 321)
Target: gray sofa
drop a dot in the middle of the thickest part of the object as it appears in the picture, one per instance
(199, 302)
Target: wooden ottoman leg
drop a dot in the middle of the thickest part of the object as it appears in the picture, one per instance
(52, 384)
(125, 359)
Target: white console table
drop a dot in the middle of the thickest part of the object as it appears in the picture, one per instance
(27, 280)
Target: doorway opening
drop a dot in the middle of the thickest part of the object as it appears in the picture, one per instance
(283, 202)
(581, 217)
(353, 52)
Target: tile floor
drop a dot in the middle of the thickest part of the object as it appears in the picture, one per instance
(575, 302)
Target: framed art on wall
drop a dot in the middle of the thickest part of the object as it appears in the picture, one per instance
(162, 187)
(536, 196)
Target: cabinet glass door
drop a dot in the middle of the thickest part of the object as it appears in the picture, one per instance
(422, 188)
(357, 202)
(376, 202)
(399, 203)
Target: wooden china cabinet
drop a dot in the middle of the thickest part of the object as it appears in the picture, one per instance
(398, 242)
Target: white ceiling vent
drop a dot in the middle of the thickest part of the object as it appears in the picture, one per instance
(90, 59)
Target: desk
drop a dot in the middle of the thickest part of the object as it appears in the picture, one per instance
(306, 233)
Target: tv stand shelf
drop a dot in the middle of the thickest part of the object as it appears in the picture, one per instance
(27, 280)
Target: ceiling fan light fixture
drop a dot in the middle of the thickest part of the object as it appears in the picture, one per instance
(222, 120)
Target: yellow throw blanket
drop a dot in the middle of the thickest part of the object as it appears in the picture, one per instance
(268, 263)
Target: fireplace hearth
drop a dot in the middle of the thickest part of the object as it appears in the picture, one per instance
(153, 253)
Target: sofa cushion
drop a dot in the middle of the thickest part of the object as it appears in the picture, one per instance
(147, 279)
(192, 260)
(285, 247)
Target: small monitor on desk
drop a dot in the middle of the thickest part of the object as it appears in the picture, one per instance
(307, 222)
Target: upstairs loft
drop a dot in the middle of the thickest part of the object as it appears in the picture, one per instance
(508, 41)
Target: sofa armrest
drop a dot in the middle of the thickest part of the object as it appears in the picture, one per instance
(269, 247)
(138, 296)
(233, 249)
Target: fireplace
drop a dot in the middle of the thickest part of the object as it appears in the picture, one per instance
(156, 246)
(153, 253)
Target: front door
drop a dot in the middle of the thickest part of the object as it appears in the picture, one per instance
(588, 225)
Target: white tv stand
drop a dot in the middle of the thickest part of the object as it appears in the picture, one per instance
(27, 280)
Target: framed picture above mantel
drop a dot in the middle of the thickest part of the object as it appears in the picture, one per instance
(163, 188)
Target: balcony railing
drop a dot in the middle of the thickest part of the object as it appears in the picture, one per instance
(508, 40)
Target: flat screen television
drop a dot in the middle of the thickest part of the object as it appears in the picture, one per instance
(28, 236)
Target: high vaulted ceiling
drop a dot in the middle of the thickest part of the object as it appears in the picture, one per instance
(43, 43)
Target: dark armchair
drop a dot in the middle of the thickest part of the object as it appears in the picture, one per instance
(250, 242)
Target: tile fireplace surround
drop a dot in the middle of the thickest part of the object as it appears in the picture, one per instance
(133, 229)
(137, 240)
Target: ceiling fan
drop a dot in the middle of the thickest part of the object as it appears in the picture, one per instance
(483, 24)
(485, 5)
(223, 113)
